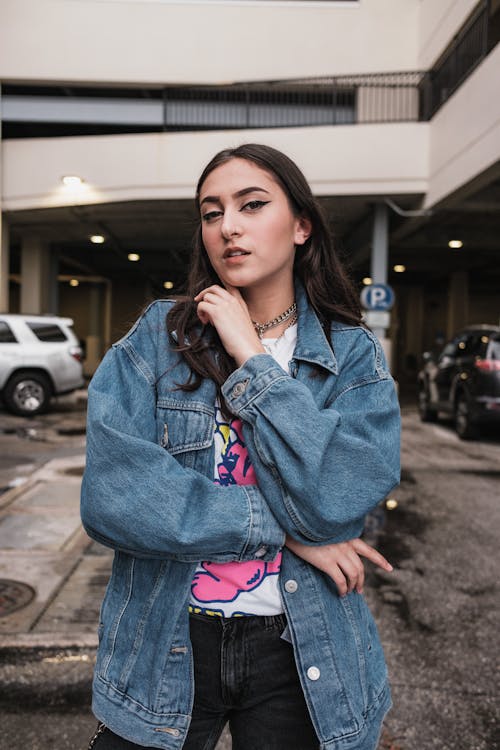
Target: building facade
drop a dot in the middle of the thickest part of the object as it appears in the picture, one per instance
(390, 107)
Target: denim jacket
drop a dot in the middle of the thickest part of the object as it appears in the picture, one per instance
(324, 443)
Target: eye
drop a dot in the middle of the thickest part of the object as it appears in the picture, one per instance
(254, 205)
(211, 216)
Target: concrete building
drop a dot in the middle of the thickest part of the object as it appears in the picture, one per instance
(390, 107)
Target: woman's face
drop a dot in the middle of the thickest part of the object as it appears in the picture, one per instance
(248, 228)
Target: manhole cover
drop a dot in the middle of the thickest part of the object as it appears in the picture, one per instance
(14, 595)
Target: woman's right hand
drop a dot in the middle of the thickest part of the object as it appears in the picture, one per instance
(226, 310)
(342, 561)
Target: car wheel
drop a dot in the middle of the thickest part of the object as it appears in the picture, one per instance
(426, 413)
(466, 429)
(27, 394)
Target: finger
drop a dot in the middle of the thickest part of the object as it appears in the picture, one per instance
(203, 315)
(210, 298)
(337, 575)
(351, 568)
(360, 579)
(362, 548)
(356, 562)
(214, 289)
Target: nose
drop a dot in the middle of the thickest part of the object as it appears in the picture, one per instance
(230, 226)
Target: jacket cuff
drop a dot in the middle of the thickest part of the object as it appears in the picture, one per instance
(258, 374)
(266, 536)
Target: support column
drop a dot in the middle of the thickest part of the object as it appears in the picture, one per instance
(379, 263)
(414, 330)
(38, 277)
(458, 302)
(4, 264)
(93, 342)
(4, 240)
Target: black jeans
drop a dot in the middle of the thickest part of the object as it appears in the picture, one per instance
(245, 674)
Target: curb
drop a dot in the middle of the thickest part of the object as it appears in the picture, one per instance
(46, 677)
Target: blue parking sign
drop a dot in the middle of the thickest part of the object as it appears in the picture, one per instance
(377, 297)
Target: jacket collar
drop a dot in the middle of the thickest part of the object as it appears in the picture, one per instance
(312, 344)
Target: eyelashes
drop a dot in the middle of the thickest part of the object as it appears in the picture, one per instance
(254, 205)
(250, 207)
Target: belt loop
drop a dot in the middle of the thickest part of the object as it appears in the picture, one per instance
(275, 621)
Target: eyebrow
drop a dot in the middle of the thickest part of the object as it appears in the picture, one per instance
(238, 194)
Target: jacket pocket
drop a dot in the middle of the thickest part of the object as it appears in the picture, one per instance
(184, 425)
(370, 655)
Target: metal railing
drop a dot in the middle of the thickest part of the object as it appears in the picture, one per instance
(467, 50)
(392, 97)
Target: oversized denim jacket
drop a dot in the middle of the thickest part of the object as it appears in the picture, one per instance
(324, 442)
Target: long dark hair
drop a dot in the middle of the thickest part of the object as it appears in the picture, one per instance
(317, 265)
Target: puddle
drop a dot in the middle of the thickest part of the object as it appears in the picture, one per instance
(74, 471)
(392, 524)
(69, 431)
(393, 528)
(488, 473)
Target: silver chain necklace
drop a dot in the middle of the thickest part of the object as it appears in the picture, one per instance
(261, 328)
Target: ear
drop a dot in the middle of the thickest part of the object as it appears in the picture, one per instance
(303, 229)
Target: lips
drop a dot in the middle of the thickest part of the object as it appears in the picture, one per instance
(235, 252)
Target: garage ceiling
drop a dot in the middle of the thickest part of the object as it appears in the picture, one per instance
(161, 232)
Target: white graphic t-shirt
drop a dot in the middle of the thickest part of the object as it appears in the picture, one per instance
(236, 589)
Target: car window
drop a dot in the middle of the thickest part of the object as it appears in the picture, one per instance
(6, 335)
(46, 331)
(450, 350)
(471, 345)
(494, 348)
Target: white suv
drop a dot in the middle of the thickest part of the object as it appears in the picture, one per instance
(40, 357)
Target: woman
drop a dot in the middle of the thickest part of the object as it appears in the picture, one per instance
(231, 467)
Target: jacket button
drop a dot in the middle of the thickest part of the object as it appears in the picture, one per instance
(261, 552)
(239, 389)
(291, 586)
(313, 673)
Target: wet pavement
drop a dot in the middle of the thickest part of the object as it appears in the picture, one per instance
(438, 613)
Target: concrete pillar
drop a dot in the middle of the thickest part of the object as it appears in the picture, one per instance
(414, 328)
(93, 341)
(458, 302)
(378, 263)
(38, 277)
(4, 239)
(4, 264)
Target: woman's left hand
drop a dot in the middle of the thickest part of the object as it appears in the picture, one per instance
(342, 561)
(226, 310)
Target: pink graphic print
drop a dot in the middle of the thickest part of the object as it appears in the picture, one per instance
(235, 466)
(223, 582)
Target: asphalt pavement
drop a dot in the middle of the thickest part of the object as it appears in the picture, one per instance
(438, 613)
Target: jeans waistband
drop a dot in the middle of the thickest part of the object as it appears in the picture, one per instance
(266, 622)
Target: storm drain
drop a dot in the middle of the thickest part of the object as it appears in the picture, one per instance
(14, 595)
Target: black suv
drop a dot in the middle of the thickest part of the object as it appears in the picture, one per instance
(463, 380)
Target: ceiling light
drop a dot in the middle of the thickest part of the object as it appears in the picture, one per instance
(133, 256)
(399, 268)
(71, 180)
(74, 282)
(97, 239)
(455, 244)
(367, 281)
(168, 284)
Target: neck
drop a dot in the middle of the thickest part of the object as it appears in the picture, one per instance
(266, 304)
